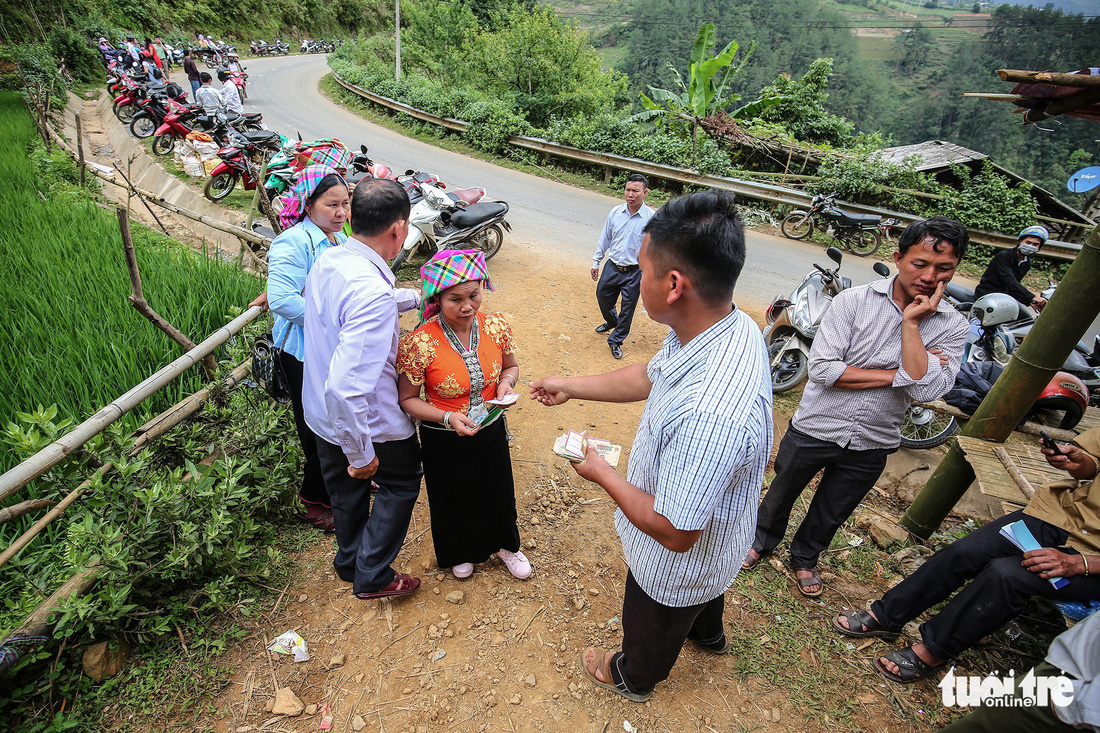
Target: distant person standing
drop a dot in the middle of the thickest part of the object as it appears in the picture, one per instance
(165, 53)
(192, 72)
(620, 242)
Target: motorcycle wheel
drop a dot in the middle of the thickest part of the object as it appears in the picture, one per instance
(865, 243)
(219, 186)
(797, 226)
(489, 240)
(399, 260)
(142, 127)
(164, 144)
(791, 370)
(125, 113)
(924, 428)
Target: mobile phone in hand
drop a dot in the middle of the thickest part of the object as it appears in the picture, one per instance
(1048, 442)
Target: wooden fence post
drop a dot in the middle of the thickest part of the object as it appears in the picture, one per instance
(80, 149)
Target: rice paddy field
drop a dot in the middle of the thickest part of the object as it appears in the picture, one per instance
(68, 335)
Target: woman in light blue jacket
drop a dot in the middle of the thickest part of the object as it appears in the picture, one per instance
(314, 213)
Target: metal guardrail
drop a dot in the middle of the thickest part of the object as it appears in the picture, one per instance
(1054, 249)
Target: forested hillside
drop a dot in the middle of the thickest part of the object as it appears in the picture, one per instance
(891, 73)
(239, 19)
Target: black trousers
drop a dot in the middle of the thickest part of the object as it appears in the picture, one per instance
(998, 589)
(848, 476)
(653, 635)
(611, 286)
(313, 489)
(369, 538)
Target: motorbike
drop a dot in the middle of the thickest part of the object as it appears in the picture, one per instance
(858, 233)
(152, 111)
(243, 151)
(437, 222)
(793, 321)
(131, 92)
(181, 124)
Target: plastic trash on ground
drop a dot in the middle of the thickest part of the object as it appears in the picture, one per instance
(290, 643)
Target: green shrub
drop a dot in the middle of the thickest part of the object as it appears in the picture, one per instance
(83, 61)
(491, 124)
(39, 67)
(989, 201)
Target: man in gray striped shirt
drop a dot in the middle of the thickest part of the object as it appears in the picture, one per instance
(686, 509)
(880, 348)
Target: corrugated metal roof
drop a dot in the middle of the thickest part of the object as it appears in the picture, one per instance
(932, 154)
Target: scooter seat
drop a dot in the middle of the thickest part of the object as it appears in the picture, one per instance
(476, 214)
(959, 293)
(259, 137)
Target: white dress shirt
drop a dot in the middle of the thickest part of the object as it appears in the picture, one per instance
(621, 238)
(231, 97)
(349, 391)
(209, 99)
(702, 446)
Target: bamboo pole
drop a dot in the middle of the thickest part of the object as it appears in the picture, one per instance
(24, 539)
(1022, 483)
(185, 408)
(31, 633)
(80, 149)
(141, 198)
(1048, 77)
(58, 450)
(998, 97)
(15, 511)
(137, 296)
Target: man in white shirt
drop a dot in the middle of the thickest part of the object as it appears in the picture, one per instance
(230, 95)
(207, 96)
(687, 507)
(349, 392)
(620, 242)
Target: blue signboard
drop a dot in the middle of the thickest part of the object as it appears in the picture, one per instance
(1085, 179)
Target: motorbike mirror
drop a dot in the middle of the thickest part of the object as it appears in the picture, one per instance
(299, 137)
(363, 148)
(881, 269)
(835, 254)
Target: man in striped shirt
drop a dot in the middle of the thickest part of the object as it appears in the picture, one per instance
(686, 509)
(880, 347)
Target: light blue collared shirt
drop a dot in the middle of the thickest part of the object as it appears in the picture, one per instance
(621, 238)
(290, 259)
(349, 391)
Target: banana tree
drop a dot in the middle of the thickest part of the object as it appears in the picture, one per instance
(706, 91)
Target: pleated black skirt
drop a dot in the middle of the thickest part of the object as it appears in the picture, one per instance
(471, 493)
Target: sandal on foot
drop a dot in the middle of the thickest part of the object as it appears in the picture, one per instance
(602, 664)
(911, 666)
(402, 585)
(804, 583)
(751, 562)
(862, 624)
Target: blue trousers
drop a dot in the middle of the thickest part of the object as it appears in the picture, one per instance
(195, 84)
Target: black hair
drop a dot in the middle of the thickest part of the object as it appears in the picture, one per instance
(638, 178)
(148, 41)
(157, 73)
(186, 52)
(204, 77)
(376, 205)
(700, 235)
(332, 179)
(941, 229)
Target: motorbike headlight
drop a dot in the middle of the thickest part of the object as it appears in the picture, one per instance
(800, 319)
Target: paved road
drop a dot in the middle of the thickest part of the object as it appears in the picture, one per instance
(558, 219)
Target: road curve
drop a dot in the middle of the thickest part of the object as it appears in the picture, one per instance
(557, 219)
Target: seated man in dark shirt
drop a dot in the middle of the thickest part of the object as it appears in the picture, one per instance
(1009, 266)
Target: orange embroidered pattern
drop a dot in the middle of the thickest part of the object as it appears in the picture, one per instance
(415, 354)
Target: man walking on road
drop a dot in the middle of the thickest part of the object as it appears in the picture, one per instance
(880, 347)
(686, 508)
(620, 241)
(349, 392)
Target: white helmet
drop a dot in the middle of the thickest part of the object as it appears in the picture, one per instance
(995, 308)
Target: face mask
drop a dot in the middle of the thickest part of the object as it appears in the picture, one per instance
(1028, 249)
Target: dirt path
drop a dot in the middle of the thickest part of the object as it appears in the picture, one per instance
(506, 657)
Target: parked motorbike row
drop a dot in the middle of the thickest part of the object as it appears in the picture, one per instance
(263, 48)
(321, 46)
(440, 218)
(998, 326)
